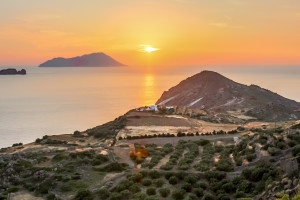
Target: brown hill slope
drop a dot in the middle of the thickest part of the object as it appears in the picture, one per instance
(213, 92)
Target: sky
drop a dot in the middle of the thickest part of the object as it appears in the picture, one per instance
(183, 32)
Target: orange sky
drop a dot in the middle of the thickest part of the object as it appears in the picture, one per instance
(187, 32)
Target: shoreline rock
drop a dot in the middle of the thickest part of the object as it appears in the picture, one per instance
(12, 71)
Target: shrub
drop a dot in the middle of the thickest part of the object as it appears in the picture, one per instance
(281, 145)
(17, 144)
(192, 197)
(239, 194)
(164, 192)
(215, 174)
(296, 126)
(224, 163)
(115, 196)
(146, 182)
(59, 157)
(154, 174)
(136, 177)
(292, 143)
(191, 178)
(296, 150)
(223, 196)
(250, 157)
(200, 184)
(114, 167)
(228, 187)
(187, 187)
(199, 192)
(178, 194)
(135, 188)
(208, 197)
(169, 174)
(12, 189)
(103, 194)
(84, 195)
(202, 142)
(181, 175)
(125, 194)
(151, 191)
(51, 197)
(245, 187)
(38, 140)
(158, 182)
(173, 180)
(273, 151)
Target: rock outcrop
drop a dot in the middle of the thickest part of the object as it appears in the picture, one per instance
(12, 71)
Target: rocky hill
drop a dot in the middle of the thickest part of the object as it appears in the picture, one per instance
(89, 60)
(12, 71)
(213, 92)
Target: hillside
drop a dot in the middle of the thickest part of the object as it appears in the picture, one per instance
(255, 162)
(213, 92)
(89, 60)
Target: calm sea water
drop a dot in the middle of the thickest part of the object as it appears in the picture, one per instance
(51, 101)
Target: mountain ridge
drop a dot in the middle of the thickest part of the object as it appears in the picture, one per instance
(87, 60)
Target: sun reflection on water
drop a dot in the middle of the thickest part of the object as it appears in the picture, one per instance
(149, 90)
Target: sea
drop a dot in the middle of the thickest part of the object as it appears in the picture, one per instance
(60, 100)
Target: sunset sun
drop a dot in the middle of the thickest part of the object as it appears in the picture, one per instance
(150, 49)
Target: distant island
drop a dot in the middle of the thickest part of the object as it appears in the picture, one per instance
(89, 60)
(12, 71)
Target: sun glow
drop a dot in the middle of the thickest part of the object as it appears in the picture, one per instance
(150, 49)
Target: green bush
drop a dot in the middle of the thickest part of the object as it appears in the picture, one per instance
(245, 187)
(115, 196)
(164, 192)
(84, 195)
(296, 150)
(187, 187)
(202, 142)
(114, 167)
(154, 174)
(178, 194)
(208, 197)
(250, 157)
(191, 178)
(200, 184)
(59, 157)
(125, 194)
(296, 126)
(273, 151)
(151, 191)
(51, 197)
(173, 180)
(199, 192)
(103, 194)
(135, 188)
(158, 182)
(192, 197)
(168, 175)
(215, 174)
(239, 194)
(146, 182)
(12, 189)
(228, 187)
